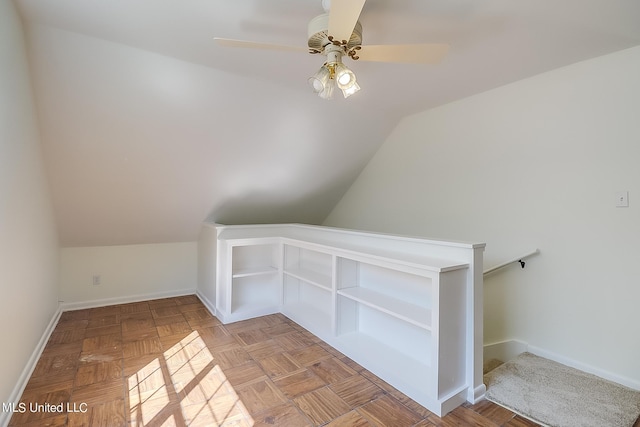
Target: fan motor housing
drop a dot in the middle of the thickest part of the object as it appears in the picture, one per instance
(319, 36)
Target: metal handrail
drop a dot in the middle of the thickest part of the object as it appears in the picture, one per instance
(517, 259)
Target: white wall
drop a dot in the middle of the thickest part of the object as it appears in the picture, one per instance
(207, 253)
(532, 164)
(127, 273)
(28, 240)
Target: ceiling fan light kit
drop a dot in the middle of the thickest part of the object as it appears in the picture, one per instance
(338, 33)
(328, 77)
(334, 73)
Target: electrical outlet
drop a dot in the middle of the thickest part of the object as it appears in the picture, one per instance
(97, 280)
(622, 199)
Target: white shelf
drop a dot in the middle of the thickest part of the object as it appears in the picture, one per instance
(254, 271)
(312, 277)
(414, 314)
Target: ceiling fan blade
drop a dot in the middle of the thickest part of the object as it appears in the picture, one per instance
(343, 15)
(430, 53)
(255, 45)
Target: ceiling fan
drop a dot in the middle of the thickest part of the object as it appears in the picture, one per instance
(338, 33)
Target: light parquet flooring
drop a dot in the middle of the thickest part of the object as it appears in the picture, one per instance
(169, 362)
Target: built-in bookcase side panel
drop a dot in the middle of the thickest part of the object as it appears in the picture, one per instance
(228, 267)
(334, 296)
(223, 275)
(452, 332)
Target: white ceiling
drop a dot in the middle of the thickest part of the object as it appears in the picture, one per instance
(148, 127)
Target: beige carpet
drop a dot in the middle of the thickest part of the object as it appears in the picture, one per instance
(556, 395)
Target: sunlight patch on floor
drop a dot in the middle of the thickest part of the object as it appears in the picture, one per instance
(187, 383)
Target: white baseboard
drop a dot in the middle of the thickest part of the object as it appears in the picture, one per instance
(627, 382)
(477, 394)
(207, 303)
(504, 350)
(507, 350)
(5, 417)
(70, 306)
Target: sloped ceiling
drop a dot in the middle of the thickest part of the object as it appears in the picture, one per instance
(148, 127)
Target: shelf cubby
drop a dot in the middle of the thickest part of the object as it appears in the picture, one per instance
(307, 304)
(406, 370)
(312, 266)
(250, 294)
(254, 259)
(255, 279)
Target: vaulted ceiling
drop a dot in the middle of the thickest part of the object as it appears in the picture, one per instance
(148, 127)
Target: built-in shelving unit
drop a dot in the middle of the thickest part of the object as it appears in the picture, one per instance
(407, 309)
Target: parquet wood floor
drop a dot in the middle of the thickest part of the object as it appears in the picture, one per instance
(169, 362)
